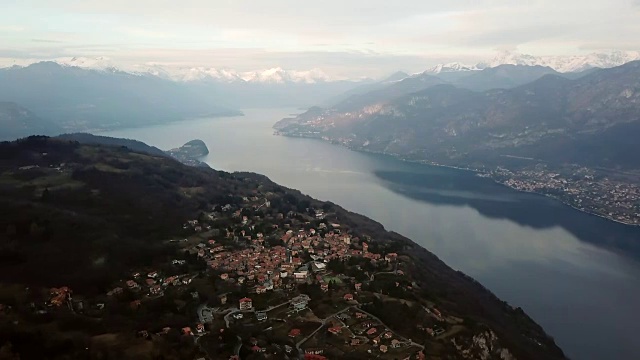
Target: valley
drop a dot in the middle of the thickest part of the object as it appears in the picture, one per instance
(282, 180)
(569, 139)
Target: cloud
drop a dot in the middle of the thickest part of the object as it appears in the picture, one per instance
(12, 29)
(49, 41)
(345, 36)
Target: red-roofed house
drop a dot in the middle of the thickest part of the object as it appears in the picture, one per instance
(246, 304)
(391, 256)
(314, 357)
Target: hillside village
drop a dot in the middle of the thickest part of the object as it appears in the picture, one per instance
(580, 187)
(303, 286)
(265, 282)
(238, 268)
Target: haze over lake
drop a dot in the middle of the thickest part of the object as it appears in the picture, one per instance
(563, 267)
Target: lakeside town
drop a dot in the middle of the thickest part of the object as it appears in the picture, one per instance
(582, 188)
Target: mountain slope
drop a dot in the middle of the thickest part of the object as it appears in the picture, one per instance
(90, 139)
(17, 122)
(400, 84)
(88, 215)
(365, 88)
(450, 123)
(389, 91)
(502, 77)
(79, 99)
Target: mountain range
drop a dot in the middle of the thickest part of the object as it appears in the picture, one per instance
(564, 64)
(81, 94)
(590, 120)
(77, 99)
(276, 75)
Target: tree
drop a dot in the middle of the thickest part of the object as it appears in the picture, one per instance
(45, 195)
(336, 266)
(6, 352)
(35, 230)
(11, 230)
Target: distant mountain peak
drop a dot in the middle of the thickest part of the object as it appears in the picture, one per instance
(571, 63)
(278, 75)
(451, 67)
(275, 75)
(97, 63)
(397, 76)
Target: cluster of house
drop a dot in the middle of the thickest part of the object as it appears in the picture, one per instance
(199, 329)
(266, 268)
(296, 304)
(154, 282)
(617, 200)
(369, 330)
(196, 226)
(60, 296)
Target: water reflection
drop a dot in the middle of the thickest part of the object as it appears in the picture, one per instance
(441, 186)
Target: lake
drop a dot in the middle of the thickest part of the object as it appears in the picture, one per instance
(576, 274)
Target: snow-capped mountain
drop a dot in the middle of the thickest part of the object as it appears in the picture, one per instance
(97, 63)
(451, 67)
(279, 75)
(269, 76)
(573, 63)
(190, 74)
(203, 73)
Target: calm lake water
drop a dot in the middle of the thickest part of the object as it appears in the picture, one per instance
(577, 275)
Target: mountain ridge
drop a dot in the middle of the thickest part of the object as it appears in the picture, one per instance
(275, 75)
(563, 64)
(278, 75)
(17, 121)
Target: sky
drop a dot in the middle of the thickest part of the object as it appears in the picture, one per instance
(342, 37)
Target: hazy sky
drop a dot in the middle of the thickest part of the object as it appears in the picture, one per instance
(342, 37)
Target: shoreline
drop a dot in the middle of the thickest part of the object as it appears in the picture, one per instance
(475, 171)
